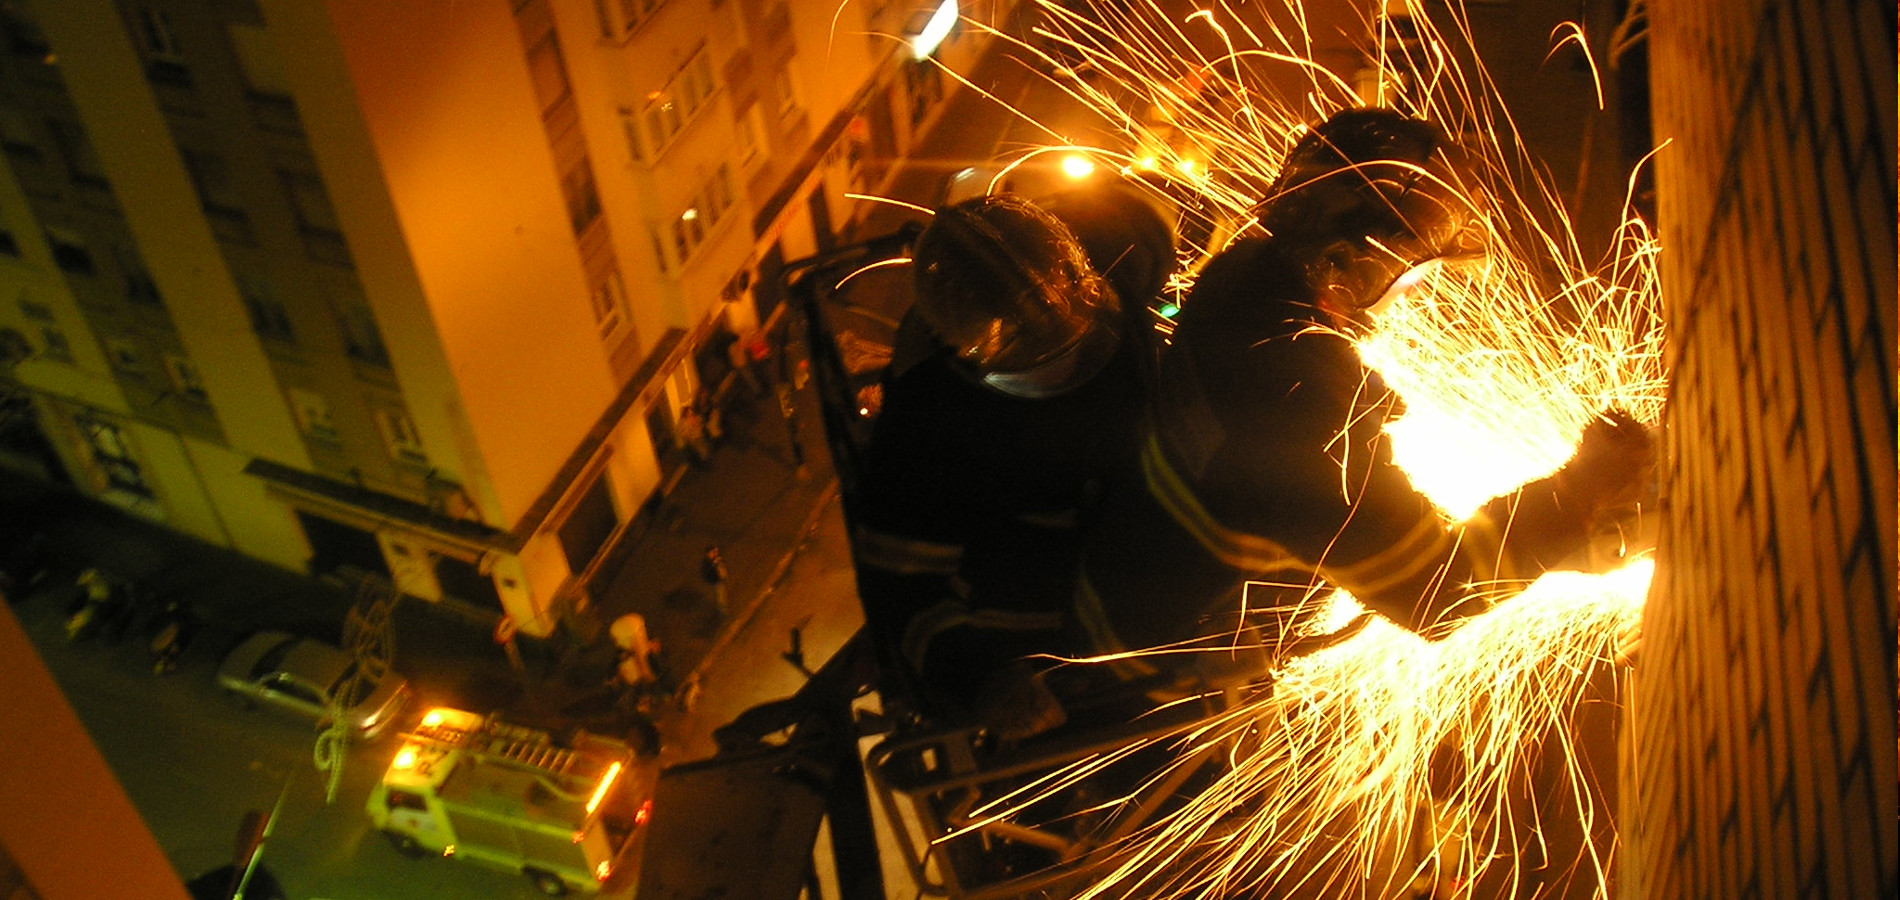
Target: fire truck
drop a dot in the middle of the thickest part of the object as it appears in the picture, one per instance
(563, 812)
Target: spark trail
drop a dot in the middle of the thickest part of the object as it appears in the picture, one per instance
(1389, 764)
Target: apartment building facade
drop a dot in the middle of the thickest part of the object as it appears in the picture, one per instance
(416, 289)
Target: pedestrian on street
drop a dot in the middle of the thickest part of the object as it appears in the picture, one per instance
(637, 650)
(744, 363)
(712, 567)
(692, 435)
(759, 348)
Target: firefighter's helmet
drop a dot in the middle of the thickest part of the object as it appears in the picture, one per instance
(1010, 290)
(1369, 198)
(1126, 234)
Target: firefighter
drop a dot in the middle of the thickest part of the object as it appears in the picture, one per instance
(1264, 459)
(1014, 389)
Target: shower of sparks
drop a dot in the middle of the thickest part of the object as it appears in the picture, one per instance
(1390, 760)
(1388, 765)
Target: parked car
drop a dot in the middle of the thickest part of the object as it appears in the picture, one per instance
(303, 675)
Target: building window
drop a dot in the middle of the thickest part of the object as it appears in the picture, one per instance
(316, 219)
(548, 72)
(268, 317)
(18, 137)
(619, 18)
(583, 201)
(69, 251)
(212, 178)
(14, 347)
(659, 252)
(688, 231)
(82, 164)
(57, 347)
(313, 414)
(710, 204)
(23, 35)
(164, 60)
(310, 203)
(675, 105)
(785, 85)
(218, 195)
(749, 131)
(610, 303)
(124, 356)
(257, 58)
(184, 376)
(106, 445)
(399, 436)
(139, 286)
(630, 125)
(925, 83)
(272, 108)
(362, 340)
(155, 32)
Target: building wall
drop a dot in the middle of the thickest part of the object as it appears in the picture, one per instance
(148, 309)
(1764, 711)
(354, 225)
(443, 90)
(129, 135)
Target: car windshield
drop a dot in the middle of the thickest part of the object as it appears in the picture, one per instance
(272, 658)
(362, 691)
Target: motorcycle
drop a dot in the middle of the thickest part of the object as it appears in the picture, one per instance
(172, 630)
(103, 607)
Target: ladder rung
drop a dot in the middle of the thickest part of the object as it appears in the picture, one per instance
(508, 742)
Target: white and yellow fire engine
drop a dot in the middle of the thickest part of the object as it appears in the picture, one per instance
(565, 813)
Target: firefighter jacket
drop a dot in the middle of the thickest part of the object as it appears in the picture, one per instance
(1263, 459)
(966, 534)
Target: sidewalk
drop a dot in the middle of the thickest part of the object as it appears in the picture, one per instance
(755, 501)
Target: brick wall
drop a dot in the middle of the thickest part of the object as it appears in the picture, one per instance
(1763, 742)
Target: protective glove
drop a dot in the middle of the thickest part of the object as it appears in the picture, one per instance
(1015, 703)
(1614, 463)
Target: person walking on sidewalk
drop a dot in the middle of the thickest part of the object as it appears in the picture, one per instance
(635, 670)
(712, 567)
(692, 435)
(637, 677)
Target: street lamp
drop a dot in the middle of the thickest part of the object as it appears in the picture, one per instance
(935, 30)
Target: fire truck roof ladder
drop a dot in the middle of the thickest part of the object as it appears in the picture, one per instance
(540, 754)
(507, 742)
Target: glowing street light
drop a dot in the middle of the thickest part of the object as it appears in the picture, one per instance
(1077, 166)
(935, 30)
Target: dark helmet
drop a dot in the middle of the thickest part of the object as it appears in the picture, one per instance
(1009, 288)
(1367, 198)
(1126, 234)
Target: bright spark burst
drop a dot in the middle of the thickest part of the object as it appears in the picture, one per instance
(1389, 758)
